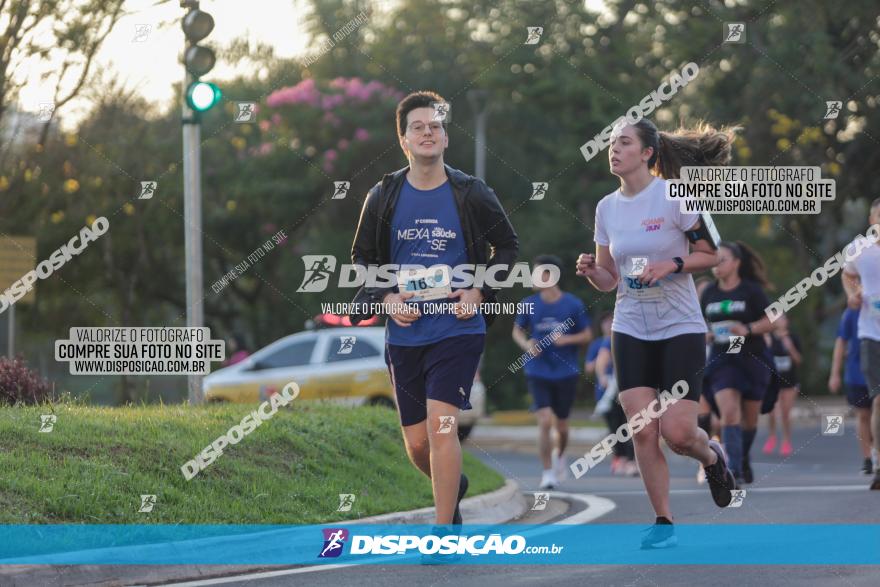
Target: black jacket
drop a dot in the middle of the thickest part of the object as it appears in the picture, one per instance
(484, 225)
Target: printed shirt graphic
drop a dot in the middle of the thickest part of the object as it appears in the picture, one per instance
(785, 367)
(555, 362)
(426, 230)
(867, 266)
(745, 303)
(849, 332)
(647, 225)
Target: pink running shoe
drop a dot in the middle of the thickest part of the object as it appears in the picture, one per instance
(786, 449)
(616, 465)
(770, 445)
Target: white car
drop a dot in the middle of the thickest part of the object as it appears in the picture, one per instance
(344, 365)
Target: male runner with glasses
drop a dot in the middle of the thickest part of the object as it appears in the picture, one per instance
(430, 214)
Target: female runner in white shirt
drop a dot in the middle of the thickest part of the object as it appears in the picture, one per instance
(658, 334)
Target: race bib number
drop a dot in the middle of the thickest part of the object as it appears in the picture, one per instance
(642, 291)
(721, 330)
(426, 284)
(782, 363)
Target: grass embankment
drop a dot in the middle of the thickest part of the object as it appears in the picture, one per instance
(97, 462)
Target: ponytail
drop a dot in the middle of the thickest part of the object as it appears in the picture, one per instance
(702, 145)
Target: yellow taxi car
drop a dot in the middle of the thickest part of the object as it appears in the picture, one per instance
(342, 365)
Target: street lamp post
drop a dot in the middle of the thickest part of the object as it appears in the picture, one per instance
(197, 97)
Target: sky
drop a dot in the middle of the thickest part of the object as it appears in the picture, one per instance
(152, 65)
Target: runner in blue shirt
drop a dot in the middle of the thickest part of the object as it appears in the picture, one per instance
(599, 362)
(552, 333)
(847, 345)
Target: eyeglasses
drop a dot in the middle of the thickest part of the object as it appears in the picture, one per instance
(419, 127)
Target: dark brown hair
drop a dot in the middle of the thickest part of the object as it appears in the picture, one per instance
(702, 145)
(423, 99)
(751, 266)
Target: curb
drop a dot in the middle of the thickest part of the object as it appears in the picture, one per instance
(496, 507)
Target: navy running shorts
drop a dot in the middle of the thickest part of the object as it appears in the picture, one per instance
(659, 363)
(556, 394)
(443, 371)
(857, 396)
(746, 373)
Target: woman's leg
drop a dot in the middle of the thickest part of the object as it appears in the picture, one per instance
(649, 455)
(751, 409)
(864, 430)
(729, 404)
(786, 401)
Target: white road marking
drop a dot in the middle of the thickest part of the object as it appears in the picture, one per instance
(596, 508)
(799, 489)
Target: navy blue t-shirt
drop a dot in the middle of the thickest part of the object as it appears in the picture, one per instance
(849, 331)
(426, 230)
(555, 362)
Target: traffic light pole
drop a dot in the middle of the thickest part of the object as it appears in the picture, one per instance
(192, 229)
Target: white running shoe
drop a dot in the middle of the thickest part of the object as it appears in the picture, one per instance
(631, 469)
(548, 480)
(560, 466)
(701, 474)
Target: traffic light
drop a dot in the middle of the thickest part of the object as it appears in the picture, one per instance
(198, 60)
(201, 96)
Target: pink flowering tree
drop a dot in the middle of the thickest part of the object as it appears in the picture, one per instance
(278, 173)
(333, 124)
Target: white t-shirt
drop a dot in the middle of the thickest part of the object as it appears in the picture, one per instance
(867, 266)
(649, 228)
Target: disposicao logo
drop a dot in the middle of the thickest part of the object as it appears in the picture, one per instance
(334, 541)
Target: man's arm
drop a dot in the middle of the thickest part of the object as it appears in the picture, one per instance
(603, 359)
(504, 243)
(521, 338)
(852, 285)
(836, 365)
(363, 249)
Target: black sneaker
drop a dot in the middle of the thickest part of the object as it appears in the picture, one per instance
(462, 489)
(721, 480)
(875, 484)
(660, 535)
(867, 466)
(748, 475)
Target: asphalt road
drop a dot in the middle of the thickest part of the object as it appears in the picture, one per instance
(820, 483)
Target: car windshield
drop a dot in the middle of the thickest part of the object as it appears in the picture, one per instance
(349, 347)
(293, 354)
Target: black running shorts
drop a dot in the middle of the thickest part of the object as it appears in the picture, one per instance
(659, 363)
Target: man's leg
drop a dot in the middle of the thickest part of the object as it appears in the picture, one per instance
(449, 366)
(545, 425)
(415, 439)
(564, 391)
(561, 434)
(445, 451)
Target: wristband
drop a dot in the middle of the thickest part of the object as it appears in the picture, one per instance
(749, 328)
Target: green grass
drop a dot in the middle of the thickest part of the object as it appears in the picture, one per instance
(97, 462)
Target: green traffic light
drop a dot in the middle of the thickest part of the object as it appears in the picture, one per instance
(202, 96)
